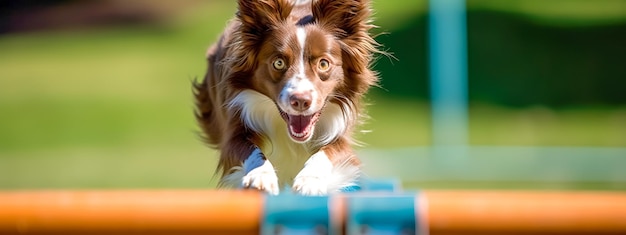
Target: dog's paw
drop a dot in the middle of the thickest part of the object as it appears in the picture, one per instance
(261, 179)
(310, 185)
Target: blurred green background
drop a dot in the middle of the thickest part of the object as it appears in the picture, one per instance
(97, 94)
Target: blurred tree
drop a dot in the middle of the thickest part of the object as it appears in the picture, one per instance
(518, 62)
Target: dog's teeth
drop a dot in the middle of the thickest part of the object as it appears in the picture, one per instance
(296, 134)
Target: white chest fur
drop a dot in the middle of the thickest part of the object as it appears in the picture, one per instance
(259, 113)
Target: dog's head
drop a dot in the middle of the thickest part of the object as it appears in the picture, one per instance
(304, 55)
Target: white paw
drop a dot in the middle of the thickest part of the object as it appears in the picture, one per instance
(310, 185)
(262, 179)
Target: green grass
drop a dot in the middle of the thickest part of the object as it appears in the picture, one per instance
(112, 107)
(540, 126)
(155, 166)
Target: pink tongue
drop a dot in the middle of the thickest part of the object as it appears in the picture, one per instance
(299, 123)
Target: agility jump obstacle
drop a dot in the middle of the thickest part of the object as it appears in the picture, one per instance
(251, 212)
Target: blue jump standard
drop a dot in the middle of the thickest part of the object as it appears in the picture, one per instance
(372, 207)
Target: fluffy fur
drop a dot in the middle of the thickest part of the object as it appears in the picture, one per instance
(282, 94)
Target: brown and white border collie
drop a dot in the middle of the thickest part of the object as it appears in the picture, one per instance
(282, 94)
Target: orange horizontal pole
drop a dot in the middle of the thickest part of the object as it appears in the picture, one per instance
(178, 212)
(526, 212)
(240, 212)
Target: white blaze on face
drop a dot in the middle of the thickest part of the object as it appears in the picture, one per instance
(302, 2)
(299, 83)
(301, 36)
(302, 116)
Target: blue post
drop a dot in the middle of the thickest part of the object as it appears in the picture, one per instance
(448, 75)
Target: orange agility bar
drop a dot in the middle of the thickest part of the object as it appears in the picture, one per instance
(526, 212)
(241, 212)
(173, 212)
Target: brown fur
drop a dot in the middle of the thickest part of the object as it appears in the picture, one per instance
(235, 63)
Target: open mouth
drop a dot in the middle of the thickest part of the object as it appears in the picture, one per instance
(300, 126)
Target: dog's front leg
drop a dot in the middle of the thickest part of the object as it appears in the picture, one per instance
(247, 167)
(314, 178)
(259, 173)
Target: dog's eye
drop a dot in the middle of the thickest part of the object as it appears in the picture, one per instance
(279, 64)
(323, 65)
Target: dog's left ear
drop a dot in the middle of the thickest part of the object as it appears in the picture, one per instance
(349, 21)
(346, 18)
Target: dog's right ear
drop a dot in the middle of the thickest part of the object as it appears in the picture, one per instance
(258, 17)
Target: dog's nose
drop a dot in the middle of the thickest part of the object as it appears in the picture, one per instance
(300, 101)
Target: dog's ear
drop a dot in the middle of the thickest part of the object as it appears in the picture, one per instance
(345, 18)
(258, 17)
(349, 21)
